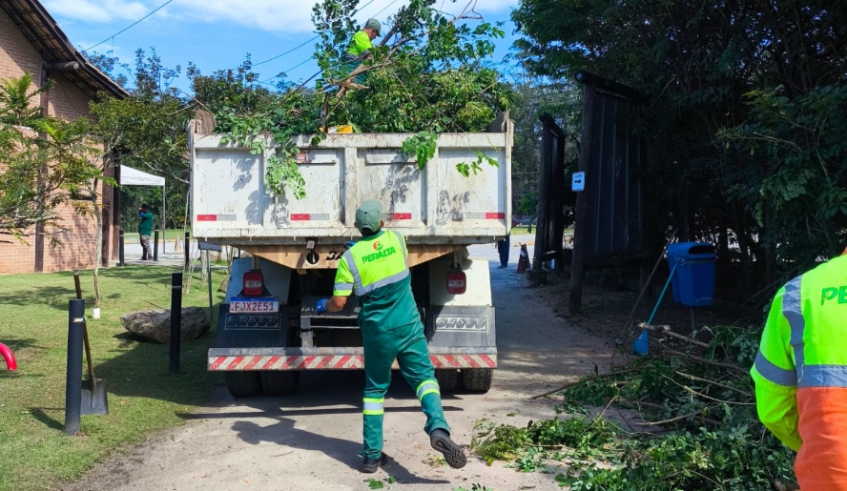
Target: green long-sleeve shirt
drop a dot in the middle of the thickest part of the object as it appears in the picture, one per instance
(145, 226)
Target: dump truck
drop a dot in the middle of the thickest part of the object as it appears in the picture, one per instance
(268, 331)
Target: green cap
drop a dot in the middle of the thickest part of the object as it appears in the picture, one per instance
(375, 25)
(369, 217)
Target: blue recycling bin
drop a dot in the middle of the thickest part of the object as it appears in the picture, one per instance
(694, 276)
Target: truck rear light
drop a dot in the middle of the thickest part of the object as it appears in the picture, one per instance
(457, 282)
(254, 284)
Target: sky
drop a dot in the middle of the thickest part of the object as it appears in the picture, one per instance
(216, 34)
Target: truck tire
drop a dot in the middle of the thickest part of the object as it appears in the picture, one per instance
(477, 379)
(243, 384)
(279, 382)
(447, 379)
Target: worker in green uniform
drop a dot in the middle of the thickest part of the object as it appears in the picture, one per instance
(361, 46)
(376, 270)
(145, 230)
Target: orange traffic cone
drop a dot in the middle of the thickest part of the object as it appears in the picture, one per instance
(523, 262)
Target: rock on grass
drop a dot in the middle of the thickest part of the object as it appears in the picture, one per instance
(155, 325)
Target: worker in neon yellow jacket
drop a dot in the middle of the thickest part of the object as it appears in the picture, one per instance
(361, 46)
(376, 270)
(801, 374)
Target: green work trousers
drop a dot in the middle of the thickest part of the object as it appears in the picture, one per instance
(353, 63)
(408, 345)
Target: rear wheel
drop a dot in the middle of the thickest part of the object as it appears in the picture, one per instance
(447, 379)
(279, 383)
(243, 384)
(477, 379)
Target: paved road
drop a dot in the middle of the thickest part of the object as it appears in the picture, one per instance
(310, 441)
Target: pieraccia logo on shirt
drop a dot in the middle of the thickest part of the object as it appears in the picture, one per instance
(380, 253)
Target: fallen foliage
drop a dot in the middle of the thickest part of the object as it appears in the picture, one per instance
(687, 421)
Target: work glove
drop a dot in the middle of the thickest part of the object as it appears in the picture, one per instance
(348, 245)
(321, 306)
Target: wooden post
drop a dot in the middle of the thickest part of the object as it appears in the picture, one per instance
(578, 260)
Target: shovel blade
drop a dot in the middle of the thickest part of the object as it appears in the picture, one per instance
(95, 401)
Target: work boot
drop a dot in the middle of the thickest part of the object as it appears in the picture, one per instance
(453, 454)
(369, 466)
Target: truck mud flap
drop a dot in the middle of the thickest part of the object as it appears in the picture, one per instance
(238, 359)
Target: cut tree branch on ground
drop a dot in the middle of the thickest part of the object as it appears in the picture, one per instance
(703, 360)
(705, 396)
(666, 331)
(713, 382)
(592, 378)
(671, 420)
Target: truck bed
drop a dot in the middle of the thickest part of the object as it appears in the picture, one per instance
(436, 205)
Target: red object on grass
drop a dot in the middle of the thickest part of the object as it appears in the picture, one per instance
(11, 364)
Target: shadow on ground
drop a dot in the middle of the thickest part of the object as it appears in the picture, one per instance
(285, 433)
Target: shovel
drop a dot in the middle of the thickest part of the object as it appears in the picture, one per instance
(94, 397)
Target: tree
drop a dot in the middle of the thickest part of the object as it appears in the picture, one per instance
(45, 162)
(727, 81)
(534, 97)
(427, 76)
(148, 130)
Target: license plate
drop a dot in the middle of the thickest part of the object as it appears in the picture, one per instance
(253, 306)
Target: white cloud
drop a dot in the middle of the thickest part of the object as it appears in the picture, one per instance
(103, 11)
(268, 15)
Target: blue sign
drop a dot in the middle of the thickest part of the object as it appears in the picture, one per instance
(578, 182)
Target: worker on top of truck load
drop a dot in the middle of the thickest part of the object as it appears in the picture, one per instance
(376, 270)
(361, 46)
(801, 374)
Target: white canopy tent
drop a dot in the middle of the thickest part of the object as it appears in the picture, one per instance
(134, 177)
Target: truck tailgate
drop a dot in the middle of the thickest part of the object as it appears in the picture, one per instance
(230, 203)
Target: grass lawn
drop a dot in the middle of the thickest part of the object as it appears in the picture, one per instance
(144, 397)
(171, 234)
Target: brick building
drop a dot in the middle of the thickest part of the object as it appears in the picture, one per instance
(31, 41)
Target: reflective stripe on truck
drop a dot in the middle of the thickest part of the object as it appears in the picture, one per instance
(232, 359)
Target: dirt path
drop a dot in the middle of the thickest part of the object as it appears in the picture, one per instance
(311, 441)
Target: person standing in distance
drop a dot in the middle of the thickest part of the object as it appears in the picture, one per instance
(145, 230)
(503, 250)
(376, 270)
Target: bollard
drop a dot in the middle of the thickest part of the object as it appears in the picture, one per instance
(176, 320)
(156, 245)
(73, 383)
(187, 250)
(121, 247)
